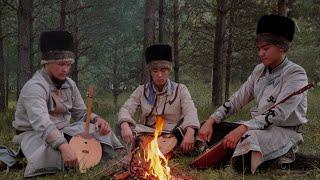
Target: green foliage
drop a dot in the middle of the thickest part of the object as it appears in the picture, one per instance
(117, 48)
(306, 46)
(111, 38)
(6, 132)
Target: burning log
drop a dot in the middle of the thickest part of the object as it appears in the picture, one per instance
(122, 176)
(139, 166)
(147, 160)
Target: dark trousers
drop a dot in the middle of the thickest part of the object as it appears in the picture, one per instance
(220, 130)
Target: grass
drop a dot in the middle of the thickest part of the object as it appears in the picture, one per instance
(103, 105)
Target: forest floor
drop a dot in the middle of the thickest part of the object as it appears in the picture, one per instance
(103, 105)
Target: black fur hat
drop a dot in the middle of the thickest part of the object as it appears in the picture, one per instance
(158, 52)
(56, 45)
(56, 41)
(276, 25)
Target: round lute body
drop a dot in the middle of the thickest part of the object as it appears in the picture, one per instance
(166, 142)
(86, 147)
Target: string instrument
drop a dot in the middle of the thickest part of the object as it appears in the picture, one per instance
(88, 150)
(217, 153)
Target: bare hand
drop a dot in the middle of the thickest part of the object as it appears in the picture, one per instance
(206, 130)
(102, 126)
(231, 140)
(126, 133)
(68, 155)
(187, 143)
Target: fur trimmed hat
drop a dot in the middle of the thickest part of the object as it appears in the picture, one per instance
(56, 46)
(276, 25)
(158, 52)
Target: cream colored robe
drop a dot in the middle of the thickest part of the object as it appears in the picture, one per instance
(175, 98)
(43, 117)
(275, 132)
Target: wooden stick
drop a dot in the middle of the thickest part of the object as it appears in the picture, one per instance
(308, 86)
(87, 124)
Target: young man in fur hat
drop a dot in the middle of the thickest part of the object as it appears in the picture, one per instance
(160, 96)
(273, 134)
(46, 104)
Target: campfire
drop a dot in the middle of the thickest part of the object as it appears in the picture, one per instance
(148, 161)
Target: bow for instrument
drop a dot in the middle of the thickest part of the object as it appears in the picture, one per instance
(217, 153)
(88, 150)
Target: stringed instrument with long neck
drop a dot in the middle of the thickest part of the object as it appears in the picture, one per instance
(88, 150)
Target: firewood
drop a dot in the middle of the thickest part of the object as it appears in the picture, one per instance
(121, 176)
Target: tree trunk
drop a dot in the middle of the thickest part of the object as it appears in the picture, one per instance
(283, 7)
(222, 8)
(149, 35)
(7, 85)
(3, 106)
(229, 55)
(63, 14)
(176, 33)
(24, 43)
(76, 37)
(115, 81)
(74, 70)
(161, 20)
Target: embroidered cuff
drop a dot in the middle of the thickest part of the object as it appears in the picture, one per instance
(130, 121)
(51, 133)
(252, 124)
(217, 116)
(93, 118)
(54, 137)
(55, 144)
(184, 128)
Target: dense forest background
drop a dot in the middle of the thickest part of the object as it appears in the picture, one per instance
(213, 53)
(212, 40)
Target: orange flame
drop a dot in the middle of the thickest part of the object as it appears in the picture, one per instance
(158, 163)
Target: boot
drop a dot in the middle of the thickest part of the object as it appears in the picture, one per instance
(305, 162)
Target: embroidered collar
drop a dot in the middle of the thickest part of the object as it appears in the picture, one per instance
(152, 91)
(46, 76)
(280, 66)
